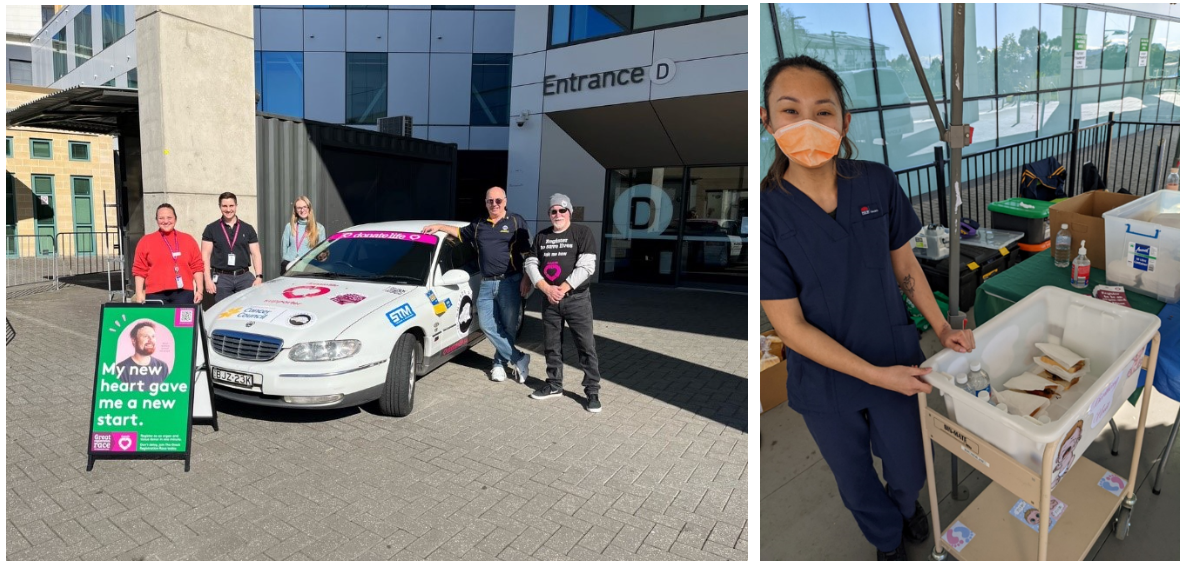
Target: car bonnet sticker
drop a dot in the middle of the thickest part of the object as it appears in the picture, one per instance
(302, 319)
(437, 306)
(348, 299)
(464, 314)
(400, 314)
(304, 291)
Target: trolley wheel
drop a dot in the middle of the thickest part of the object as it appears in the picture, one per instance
(936, 557)
(1122, 523)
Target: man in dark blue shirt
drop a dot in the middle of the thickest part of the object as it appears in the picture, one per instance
(502, 241)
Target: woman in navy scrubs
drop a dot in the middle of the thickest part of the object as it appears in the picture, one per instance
(835, 254)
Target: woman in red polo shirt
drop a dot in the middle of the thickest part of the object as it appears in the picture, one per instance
(168, 263)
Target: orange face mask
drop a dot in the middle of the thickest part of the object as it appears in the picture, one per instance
(808, 143)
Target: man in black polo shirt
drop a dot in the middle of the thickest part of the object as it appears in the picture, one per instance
(502, 241)
(229, 247)
(561, 266)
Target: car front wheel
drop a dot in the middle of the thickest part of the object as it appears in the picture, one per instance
(398, 394)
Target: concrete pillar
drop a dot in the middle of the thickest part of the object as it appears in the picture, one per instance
(197, 111)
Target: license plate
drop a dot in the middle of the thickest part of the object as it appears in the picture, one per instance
(233, 378)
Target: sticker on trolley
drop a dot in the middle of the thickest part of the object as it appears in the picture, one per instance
(958, 536)
(1113, 484)
(1101, 405)
(1030, 515)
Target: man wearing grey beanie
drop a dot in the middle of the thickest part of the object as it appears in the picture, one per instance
(561, 266)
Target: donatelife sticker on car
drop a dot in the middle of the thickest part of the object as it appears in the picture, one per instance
(304, 291)
(400, 314)
(386, 235)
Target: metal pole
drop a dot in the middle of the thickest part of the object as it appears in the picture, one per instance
(1071, 174)
(940, 168)
(1109, 136)
(1158, 164)
(955, 136)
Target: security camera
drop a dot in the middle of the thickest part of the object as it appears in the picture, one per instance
(522, 118)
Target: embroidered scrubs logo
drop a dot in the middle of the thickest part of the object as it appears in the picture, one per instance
(864, 211)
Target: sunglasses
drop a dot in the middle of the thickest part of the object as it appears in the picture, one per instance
(494, 200)
(558, 211)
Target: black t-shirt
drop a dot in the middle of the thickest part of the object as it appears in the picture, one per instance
(155, 372)
(242, 250)
(501, 246)
(558, 253)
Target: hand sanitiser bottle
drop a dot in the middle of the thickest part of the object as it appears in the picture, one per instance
(1079, 272)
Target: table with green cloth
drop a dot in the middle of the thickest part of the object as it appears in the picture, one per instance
(1006, 289)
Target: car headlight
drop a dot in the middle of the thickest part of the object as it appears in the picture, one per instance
(324, 351)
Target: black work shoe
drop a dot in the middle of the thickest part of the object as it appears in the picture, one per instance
(898, 554)
(593, 405)
(916, 528)
(547, 391)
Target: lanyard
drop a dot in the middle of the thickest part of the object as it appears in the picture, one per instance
(237, 225)
(177, 251)
(300, 237)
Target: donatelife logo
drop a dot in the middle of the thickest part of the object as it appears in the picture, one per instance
(400, 314)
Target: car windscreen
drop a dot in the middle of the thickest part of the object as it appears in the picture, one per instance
(387, 257)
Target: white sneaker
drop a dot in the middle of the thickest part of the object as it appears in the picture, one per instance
(498, 373)
(523, 367)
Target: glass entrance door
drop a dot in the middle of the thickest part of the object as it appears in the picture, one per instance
(643, 225)
(715, 230)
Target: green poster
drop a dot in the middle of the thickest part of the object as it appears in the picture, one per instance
(1079, 42)
(1144, 44)
(143, 376)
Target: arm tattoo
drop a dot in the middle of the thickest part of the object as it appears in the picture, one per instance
(908, 285)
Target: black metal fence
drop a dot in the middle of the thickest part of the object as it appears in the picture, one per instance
(1135, 156)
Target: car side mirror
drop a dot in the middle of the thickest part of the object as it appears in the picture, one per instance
(455, 277)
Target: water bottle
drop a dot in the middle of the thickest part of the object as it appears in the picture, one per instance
(1173, 180)
(1079, 273)
(961, 381)
(978, 380)
(1060, 256)
(985, 397)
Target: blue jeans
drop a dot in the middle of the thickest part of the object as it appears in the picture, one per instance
(498, 304)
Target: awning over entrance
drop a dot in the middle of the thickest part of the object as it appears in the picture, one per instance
(695, 130)
(93, 110)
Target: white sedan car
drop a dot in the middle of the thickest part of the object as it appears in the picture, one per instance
(356, 319)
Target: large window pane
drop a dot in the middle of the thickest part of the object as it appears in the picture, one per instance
(560, 24)
(59, 54)
(981, 115)
(768, 46)
(709, 11)
(1171, 59)
(1132, 102)
(597, 21)
(1139, 33)
(1093, 24)
(646, 212)
(82, 41)
(838, 35)
(1017, 118)
(1110, 101)
(490, 104)
(113, 25)
(259, 80)
(980, 48)
(1085, 106)
(898, 80)
(133, 79)
(1056, 47)
(767, 152)
(1151, 93)
(714, 240)
(650, 16)
(1114, 47)
(1018, 38)
(1054, 113)
(918, 139)
(864, 132)
(1169, 102)
(365, 87)
(283, 83)
(1159, 38)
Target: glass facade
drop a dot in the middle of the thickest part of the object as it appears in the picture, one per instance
(365, 87)
(114, 27)
(1020, 83)
(282, 82)
(133, 79)
(490, 104)
(677, 226)
(59, 54)
(83, 48)
(573, 24)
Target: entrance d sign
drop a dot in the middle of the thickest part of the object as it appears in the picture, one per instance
(661, 72)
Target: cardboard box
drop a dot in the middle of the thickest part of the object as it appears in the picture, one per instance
(773, 378)
(1083, 214)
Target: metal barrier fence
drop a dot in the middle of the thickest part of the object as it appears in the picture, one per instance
(50, 258)
(1135, 156)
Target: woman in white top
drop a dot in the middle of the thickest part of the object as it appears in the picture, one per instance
(302, 233)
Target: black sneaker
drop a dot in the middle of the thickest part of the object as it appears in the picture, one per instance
(547, 391)
(593, 405)
(898, 554)
(916, 528)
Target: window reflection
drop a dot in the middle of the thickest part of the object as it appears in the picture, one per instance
(283, 83)
(365, 87)
(1056, 46)
(1018, 46)
(898, 79)
(1114, 41)
(838, 35)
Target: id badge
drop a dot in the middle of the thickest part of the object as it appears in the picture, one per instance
(180, 283)
(176, 255)
(215, 278)
(230, 259)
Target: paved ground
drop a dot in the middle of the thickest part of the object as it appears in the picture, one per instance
(478, 471)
